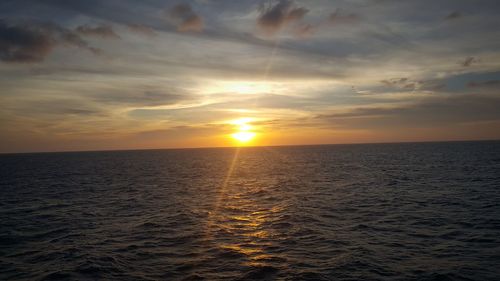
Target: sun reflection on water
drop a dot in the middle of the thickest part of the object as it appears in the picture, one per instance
(238, 223)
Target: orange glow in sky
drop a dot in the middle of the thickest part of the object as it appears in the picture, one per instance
(245, 74)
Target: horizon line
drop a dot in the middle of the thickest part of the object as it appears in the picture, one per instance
(249, 146)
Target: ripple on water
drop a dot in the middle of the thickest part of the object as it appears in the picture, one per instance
(358, 212)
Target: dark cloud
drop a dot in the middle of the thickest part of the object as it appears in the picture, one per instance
(32, 42)
(469, 61)
(274, 15)
(433, 111)
(339, 17)
(24, 44)
(403, 83)
(432, 85)
(186, 19)
(489, 83)
(296, 14)
(79, 6)
(394, 81)
(305, 30)
(102, 31)
(453, 15)
(141, 29)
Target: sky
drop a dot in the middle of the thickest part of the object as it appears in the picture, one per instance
(123, 74)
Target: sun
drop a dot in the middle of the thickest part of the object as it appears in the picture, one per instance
(244, 133)
(243, 137)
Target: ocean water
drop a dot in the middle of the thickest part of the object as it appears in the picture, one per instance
(416, 211)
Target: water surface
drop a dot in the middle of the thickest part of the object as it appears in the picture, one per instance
(426, 211)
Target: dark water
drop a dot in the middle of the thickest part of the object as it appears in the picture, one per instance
(346, 212)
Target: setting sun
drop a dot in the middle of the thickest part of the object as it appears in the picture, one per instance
(244, 132)
(243, 137)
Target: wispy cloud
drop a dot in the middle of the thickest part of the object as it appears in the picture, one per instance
(141, 29)
(340, 17)
(305, 30)
(489, 83)
(102, 31)
(469, 61)
(144, 98)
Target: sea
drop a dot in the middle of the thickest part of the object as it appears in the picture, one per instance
(406, 211)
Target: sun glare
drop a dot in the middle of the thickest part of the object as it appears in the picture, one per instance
(243, 137)
(244, 132)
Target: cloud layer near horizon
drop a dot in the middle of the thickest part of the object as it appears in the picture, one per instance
(135, 74)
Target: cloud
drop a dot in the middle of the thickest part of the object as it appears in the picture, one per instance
(24, 44)
(394, 81)
(145, 98)
(408, 84)
(43, 108)
(102, 31)
(453, 16)
(276, 15)
(185, 131)
(33, 42)
(432, 85)
(305, 30)
(338, 17)
(433, 111)
(489, 83)
(141, 29)
(403, 83)
(469, 61)
(186, 19)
